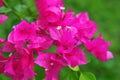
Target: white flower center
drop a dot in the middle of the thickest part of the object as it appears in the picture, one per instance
(62, 8)
(58, 27)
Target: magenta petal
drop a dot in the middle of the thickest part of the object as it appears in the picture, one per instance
(1, 40)
(1, 3)
(11, 37)
(52, 66)
(42, 4)
(2, 63)
(24, 31)
(3, 18)
(8, 47)
(109, 55)
(55, 34)
(55, 2)
(68, 18)
(53, 73)
(29, 73)
(43, 60)
(75, 58)
(99, 48)
(36, 42)
(91, 28)
(83, 17)
(52, 14)
(87, 30)
(9, 68)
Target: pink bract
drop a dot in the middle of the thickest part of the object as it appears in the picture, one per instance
(74, 58)
(86, 28)
(99, 48)
(20, 65)
(52, 67)
(1, 40)
(24, 31)
(1, 3)
(3, 18)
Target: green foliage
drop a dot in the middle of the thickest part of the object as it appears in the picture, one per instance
(40, 73)
(87, 76)
(75, 68)
(2, 77)
(105, 13)
(68, 74)
(4, 10)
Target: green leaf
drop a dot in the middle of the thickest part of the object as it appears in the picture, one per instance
(88, 60)
(6, 55)
(31, 4)
(68, 74)
(20, 8)
(3, 77)
(40, 72)
(29, 19)
(75, 68)
(87, 76)
(5, 10)
(52, 49)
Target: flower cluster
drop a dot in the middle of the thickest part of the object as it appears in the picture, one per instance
(54, 27)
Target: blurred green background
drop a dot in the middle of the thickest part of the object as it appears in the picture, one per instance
(105, 13)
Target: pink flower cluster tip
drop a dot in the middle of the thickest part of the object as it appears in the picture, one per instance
(2, 16)
(54, 27)
(1, 3)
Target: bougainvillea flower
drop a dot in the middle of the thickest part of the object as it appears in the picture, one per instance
(14, 44)
(20, 65)
(99, 48)
(51, 14)
(50, 11)
(52, 67)
(24, 31)
(64, 36)
(74, 58)
(67, 19)
(3, 18)
(40, 43)
(86, 28)
(42, 4)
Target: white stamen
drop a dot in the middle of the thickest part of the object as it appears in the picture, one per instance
(10, 54)
(62, 8)
(58, 27)
(68, 27)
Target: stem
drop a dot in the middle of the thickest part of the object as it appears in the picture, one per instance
(6, 5)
